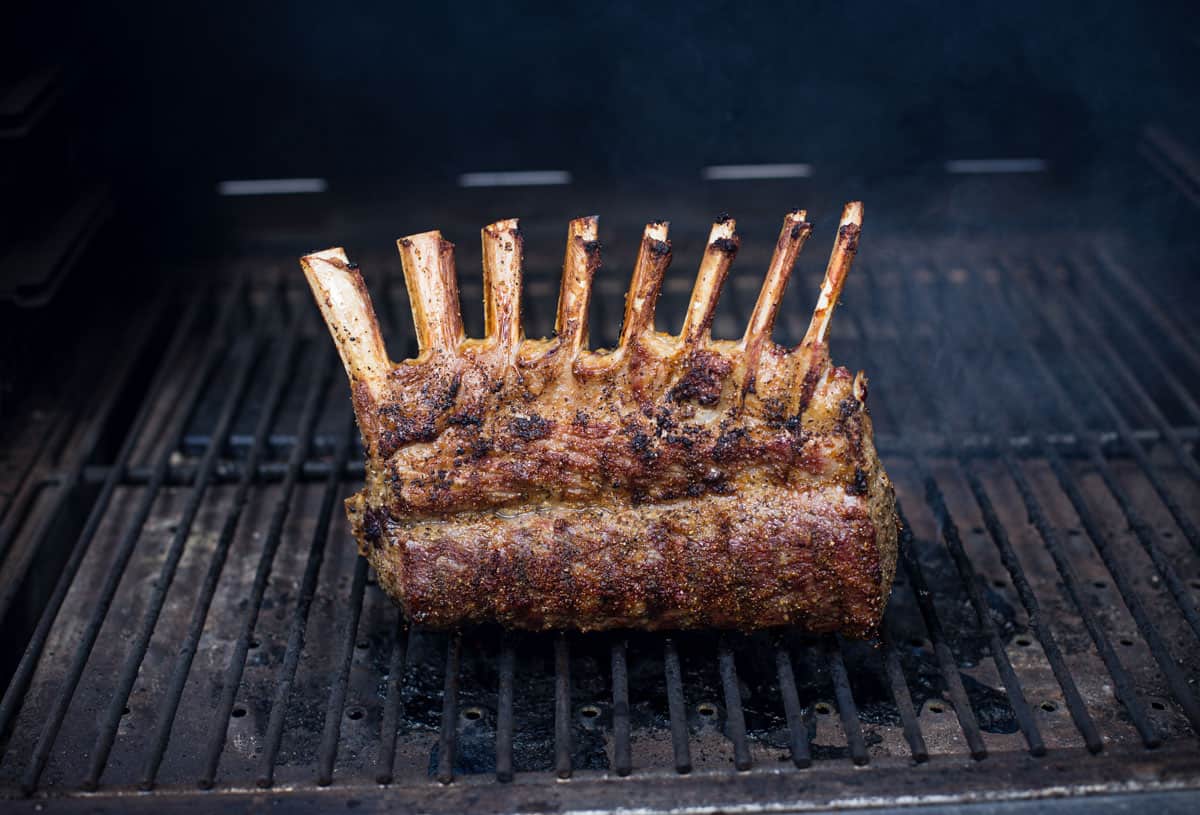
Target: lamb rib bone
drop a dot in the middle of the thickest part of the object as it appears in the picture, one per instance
(673, 481)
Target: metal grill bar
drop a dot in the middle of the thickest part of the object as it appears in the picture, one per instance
(14, 695)
(133, 661)
(1158, 646)
(1176, 444)
(735, 717)
(1123, 682)
(1143, 532)
(228, 471)
(187, 651)
(911, 565)
(936, 501)
(562, 706)
(1071, 489)
(946, 661)
(504, 713)
(449, 733)
(796, 719)
(50, 448)
(233, 672)
(1166, 662)
(675, 707)
(1146, 350)
(308, 588)
(902, 697)
(337, 692)
(1075, 704)
(622, 750)
(950, 536)
(212, 355)
(1132, 291)
(13, 513)
(1012, 685)
(393, 706)
(847, 709)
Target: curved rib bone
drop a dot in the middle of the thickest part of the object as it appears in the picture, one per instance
(503, 251)
(654, 256)
(835, 273)
(579, 267)
(792, 236)
(346, 306)
(433, 291)
(723, 243)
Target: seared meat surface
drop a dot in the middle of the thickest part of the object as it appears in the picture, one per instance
(672, 482)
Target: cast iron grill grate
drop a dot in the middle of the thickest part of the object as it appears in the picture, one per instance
(213, 629)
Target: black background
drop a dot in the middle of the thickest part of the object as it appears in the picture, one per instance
(168, 99)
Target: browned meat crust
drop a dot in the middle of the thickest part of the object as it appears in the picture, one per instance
(674, 482)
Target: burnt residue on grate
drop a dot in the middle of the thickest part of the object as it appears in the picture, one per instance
(591, 726)
(533, 706)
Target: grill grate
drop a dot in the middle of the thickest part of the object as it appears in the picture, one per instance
(212, 627)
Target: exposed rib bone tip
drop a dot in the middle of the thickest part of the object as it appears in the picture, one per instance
(580, 263)
(503, 252)
(506, 225)
(657, 230)
(346, 306)
(336, 255)
(844, 249)
(723, 242)
(654, 256)
(430, 276)
(792, 236)
(420, 240)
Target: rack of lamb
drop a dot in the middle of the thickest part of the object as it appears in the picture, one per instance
(670, 482)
